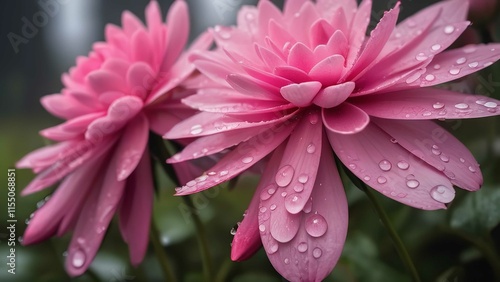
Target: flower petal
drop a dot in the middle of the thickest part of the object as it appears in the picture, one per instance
(102, 81)
(334, 95)
(428, 103)
(301, 57)
(345, 119)
(391, 169)
(177, 33)
(64, 106)
(241, 158)
(71, 129)
(302, 94)
(131, 147)
(140, 79)
(437, 147)
(328, 70)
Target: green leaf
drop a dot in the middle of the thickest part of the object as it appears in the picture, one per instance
(479, 212)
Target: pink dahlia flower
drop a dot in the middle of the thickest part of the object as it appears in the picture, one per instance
(126, 87)
(297, 84)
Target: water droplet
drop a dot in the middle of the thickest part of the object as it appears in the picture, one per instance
(412, 183)
(436, 47)
(421, 57)
(316, 225)
(430, 77)
(462, 160)
(367, 178)
(264, 195)
(462, 106)
(472, 169)
(272, 207)
(263, 209)
(442, 194)
(403, 165)
(284, 176)
(426, 114)
(223, 173)
(394, 141)
(212, 173)
(298, 187)
(385, 165)
(473, 65)
(437, 66)
(293, 203)
(287, 261)
(78, 259)
(313, 118)
(262, 228)
(303, 178)
(247, 160)
(196, 129)
(454, 71)
(311, 148)
(191, 183)
(381, 180)
(201, 178)
(436, 151)
(444, 158)
(233, 231)
(438, 105)
(271, 190)
(317, 253)
(449, 29)
(450, 174)
(412, 78)
(302, 247)
(490, 105)
(283, 194)
(461, 60)
(273, 249)
(308, 207)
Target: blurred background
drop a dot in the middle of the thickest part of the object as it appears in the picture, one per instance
(459, 244)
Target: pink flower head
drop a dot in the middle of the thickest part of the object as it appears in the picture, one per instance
(125, 88)
(297, 84)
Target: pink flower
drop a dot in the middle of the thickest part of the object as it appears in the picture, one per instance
(299, 83)
(126, 87)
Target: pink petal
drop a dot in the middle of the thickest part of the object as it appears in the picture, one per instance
(321, 230)
(203, 124)
(251, 87)
(216, 143)
(358, 30)
(63, 106)
(119, 113)
(301, 22)
(328, 70)
(268, 57)
(279, 34)
(71, 129)
(71, 192)
(292, 7)
(93, 221)
(334, 95)
(301, 95)
(103, 81)
(292, 73)
(177, 33)
(131, 23)
(241, 158)
(375, 43)
(457, 63)
(141, 47)
(82, 152)
(391, 169)
(267, 77)
(214, 71)
(45, 156)
(266, 12)
(155, 26)
(321, 31)
(345, 119)
(438, 148)
(338, 44)
(428, 103)
(117, 66)
(131, 147)
(140, 79)
(135, 210)
(301, 57)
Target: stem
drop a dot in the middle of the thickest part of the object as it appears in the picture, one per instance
(398, 243)
(224, 271)
(160, 152)
(160, 253)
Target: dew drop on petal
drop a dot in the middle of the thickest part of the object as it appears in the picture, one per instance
(316, 225)
(298, 187)
(223, 173)
(412, 183)
(283, 194)
(317, 253)
(438, 105)
(490, 105)
(454, 71)
(426, 114)
(412, 78)
(461, 60)
(462, 160)
(381, 180)
(461, 106)
(247, 160)
(473, 64)
(272, 207)
(284, 175)
(286, 261)
(403, 165)
(385, 165)
(311, 148)
(436, 47)
(472, 169)
(212, 173)
(367, 178)
(430, 77)
(303, 178)
(449, 29)
(191, 183)
(293, 204)
(442, 194)
(263, 209)
(437, 66)
(78, 259)
(262, 228)
(302, 247)
(394, 141)
(444, 158)
(487, 64)
(273, 249)
(421, 57)
(196, 129)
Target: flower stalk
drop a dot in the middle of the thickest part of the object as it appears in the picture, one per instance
(154, 235)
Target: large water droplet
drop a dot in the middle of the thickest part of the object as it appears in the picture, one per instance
(298, 187)
(284, 175)
(454, 71)
(317, 253)
(196, 129)
(223, 173)
(472, 169)
(421, 57)
(461, 60)
(381, 180)
(430, 77)
(490, 105)
(473, 65)
(293, 203)
(444, 158)
(311, 148)
(436, 47)
(438, 105)
(461, 106)
(403, 165)
(449, 29)
(442, 194)
(412, 183)
(247, 160)
(316, 225)
(385, 165)
(273, 249)
(78, 259)
(303, 178)
(412, 78)
(302, 247)
(262, 228)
